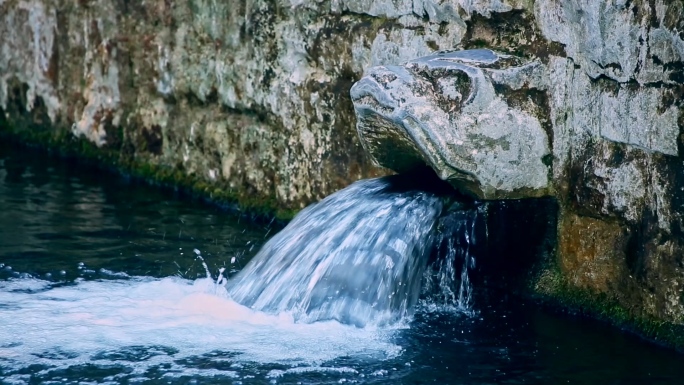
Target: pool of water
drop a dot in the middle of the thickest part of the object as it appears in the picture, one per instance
(104, 280)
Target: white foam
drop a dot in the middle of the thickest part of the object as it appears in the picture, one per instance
(145, 322)
(299, 370)
(110, 273)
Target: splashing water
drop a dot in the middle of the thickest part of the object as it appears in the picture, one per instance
(331, 286)
(446, 281)
(136, 327)
(98, 316)
(357, 257)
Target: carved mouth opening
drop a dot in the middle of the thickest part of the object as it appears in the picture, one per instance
(422, 177)
(390, 147)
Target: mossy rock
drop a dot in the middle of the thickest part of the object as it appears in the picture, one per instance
(61, 142)
(552, 290)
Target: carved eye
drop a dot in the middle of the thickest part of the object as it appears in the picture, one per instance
(384, 78)
(420, 70)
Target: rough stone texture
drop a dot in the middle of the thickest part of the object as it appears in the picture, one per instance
(252, 96)
(443, 111)
(606, 90)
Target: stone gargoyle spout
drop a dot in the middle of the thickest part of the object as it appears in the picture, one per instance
(449, 111)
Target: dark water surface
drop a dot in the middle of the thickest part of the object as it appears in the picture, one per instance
(100, 282)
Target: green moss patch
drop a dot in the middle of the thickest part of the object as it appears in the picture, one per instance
(553, 290)
(62, 143)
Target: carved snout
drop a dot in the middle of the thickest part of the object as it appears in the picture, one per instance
(377, 101)
(443, 111)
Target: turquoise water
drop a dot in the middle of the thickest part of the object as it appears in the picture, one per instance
(101, 281)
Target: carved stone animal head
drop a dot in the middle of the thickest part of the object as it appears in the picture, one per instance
(454, 112)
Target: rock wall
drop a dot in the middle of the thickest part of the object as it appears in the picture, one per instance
(618, 116)
(608, 90)
(252, 97)
(249, 96)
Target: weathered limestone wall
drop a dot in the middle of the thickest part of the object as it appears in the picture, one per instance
(617, 108)
(252, 97)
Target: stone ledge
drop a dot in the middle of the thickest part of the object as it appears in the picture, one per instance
(61, 143)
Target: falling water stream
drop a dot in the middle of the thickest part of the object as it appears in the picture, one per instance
(106, 281)
(357, 257)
